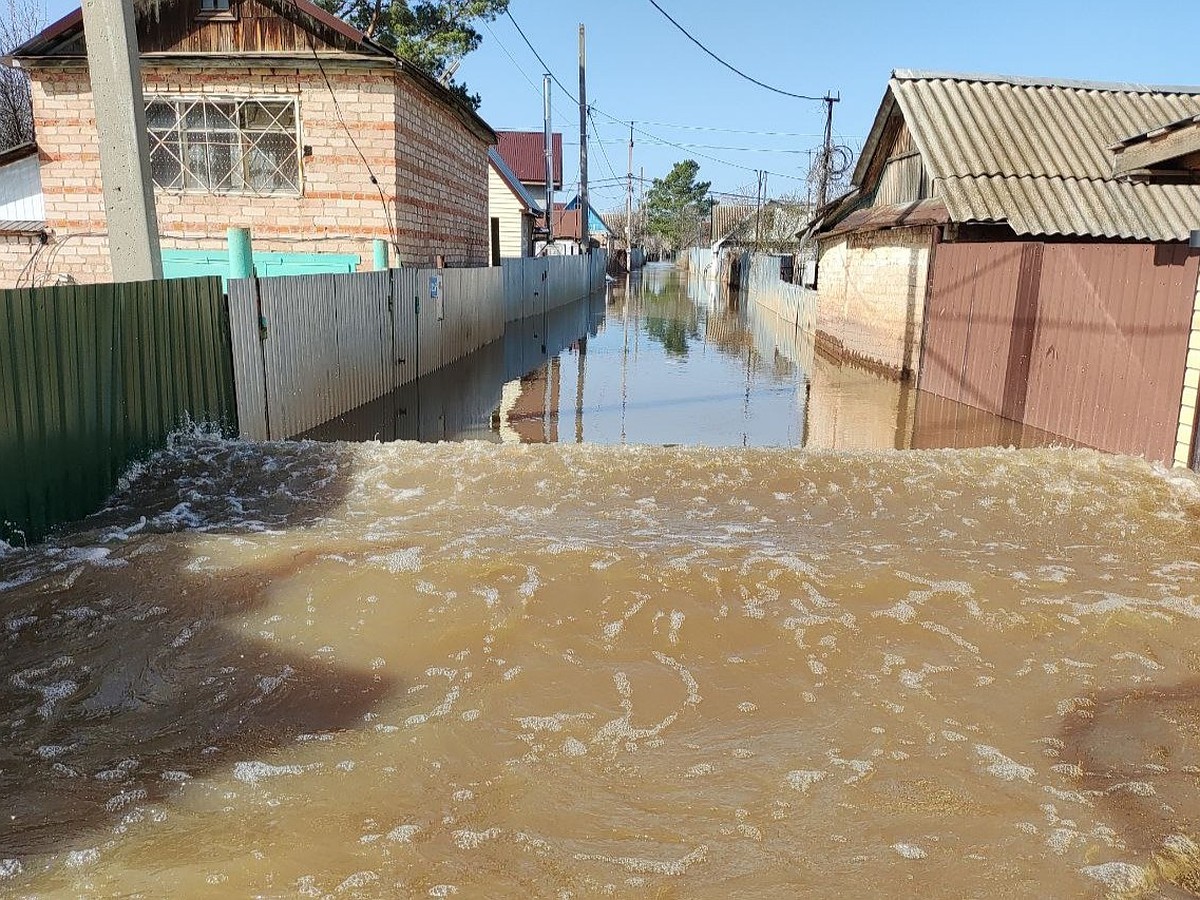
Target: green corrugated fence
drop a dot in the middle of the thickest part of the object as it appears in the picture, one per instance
(93, 377)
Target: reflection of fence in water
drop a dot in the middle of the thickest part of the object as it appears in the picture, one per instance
(457, 401)
(781, 317)
(312, 348)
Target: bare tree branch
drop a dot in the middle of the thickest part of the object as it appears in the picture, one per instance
(19, 21)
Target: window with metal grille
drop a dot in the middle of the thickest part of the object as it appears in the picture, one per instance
(224, 145)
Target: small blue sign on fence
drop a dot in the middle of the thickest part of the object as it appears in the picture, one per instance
(435, 286)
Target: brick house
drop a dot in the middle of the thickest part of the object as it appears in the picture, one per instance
(267, 114)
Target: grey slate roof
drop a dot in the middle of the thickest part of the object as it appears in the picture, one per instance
(1036, 154)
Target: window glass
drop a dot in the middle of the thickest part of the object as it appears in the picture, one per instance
(224, 145)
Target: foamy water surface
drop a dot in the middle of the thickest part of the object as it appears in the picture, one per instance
(465, 670)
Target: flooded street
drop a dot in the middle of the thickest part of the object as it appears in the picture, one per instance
(467, 669)
(664, 359)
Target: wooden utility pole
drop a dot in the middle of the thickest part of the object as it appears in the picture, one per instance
(115, 70)
(827, 152)
(758, 212)
(584, 208)
(549, 161)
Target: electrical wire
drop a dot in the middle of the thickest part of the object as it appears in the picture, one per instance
(545, 67)
(730, 67)
(625, 122)
(337, 108)
(735, 130)
(536, 87)
(604, 152)
(31, 263)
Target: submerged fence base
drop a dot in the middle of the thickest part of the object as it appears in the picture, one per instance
(93, 377)
(310, 348)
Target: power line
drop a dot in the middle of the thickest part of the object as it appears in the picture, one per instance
(608, 161)
(537, 88)
(387, 210)
(545, 67)
(730, 67)
(625, 122)
(734, 130)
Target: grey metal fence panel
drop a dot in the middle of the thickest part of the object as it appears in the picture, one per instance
(364, 337)
(300, 359)
(430, 329)
(514, 288)
(332, 343)
(248, 376)
(405, 362)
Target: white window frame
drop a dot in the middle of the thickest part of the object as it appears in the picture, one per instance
(246, 142)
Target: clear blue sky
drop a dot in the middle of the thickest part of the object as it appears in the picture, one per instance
(640, 68)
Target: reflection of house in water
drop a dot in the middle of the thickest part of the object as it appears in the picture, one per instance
(853, 408)
(528, 412)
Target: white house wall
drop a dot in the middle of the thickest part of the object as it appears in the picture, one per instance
(504, 205)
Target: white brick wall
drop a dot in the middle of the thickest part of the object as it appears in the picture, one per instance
(1191, 392)
(871, 295)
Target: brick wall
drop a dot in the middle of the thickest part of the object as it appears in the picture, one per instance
(400, 131)
(871, 296)
(16, 251)
(441, 183)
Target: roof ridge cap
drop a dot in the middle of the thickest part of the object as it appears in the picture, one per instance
(1031, 81)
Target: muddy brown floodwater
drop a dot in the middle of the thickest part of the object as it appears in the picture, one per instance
(405, 670)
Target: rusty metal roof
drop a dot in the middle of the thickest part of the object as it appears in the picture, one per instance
(525, 153)
(1036, 153)
(896, 215)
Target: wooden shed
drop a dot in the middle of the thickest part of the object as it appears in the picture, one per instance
(995, 250)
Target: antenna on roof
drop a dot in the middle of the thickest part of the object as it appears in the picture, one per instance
(448, 75)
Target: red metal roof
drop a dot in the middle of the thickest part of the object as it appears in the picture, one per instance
(525, 154)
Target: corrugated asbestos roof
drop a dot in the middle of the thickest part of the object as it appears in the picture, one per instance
(780, 224)
(1035, 154)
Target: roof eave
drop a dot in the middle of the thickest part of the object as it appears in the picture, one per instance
(875, 136)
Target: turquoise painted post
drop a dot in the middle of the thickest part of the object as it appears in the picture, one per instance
(241, 255)
(381, 254)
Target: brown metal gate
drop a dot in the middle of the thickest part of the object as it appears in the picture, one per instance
(1084, 340)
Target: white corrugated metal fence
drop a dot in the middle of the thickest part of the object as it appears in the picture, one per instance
(310, 348)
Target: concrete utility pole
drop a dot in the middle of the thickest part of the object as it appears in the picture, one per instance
(629, 206)
(758, 212)
(114, 67)
(584, 208)
(641, 212)
(549, 161)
